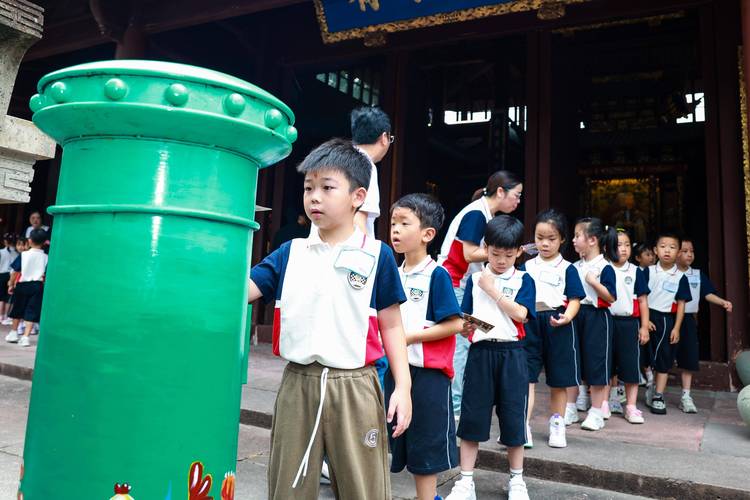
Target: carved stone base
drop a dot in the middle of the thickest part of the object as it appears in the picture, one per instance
(21, 145)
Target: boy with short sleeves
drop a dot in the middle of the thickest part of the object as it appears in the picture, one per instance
(333, 291)
(669, 291)
(431, 317)
(27, 293)
(499, 299)
(688, 348)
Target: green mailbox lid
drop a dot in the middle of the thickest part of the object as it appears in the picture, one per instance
(163, 100)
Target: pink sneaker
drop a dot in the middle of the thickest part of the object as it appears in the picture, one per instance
(606, 413)
(633, 415)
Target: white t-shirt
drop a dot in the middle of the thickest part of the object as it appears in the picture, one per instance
(31, 228)
(33, 265)
(7, 256)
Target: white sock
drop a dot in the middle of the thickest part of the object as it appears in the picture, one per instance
(582, 390)
(613, 393)
(686, 393)
(467, 476)
(516, 473)
(595, 411)
(572, 406)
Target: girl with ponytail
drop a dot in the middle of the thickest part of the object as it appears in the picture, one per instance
(597, 246)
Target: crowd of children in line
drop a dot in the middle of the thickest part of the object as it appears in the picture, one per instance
(23, 265)
(342, 302)
(581, 322)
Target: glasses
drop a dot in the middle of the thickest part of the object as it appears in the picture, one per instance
(516, 194)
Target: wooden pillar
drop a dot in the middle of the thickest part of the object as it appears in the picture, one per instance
(395, 85)
(538, 141)
(732, 182)
(133, 43)
(713, 181)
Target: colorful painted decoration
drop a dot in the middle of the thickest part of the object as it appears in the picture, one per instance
(122, 492)
(199, 487)
(227, 487)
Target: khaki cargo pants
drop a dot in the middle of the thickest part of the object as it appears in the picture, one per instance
(350, 431)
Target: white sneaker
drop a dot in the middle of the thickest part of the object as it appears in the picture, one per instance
(634, 416)
(24, 341)
(649, 394)
(529, 439)
(606, 412)
(12, 337)
(325, 474)
(687, 405)
(593, 422)
(557, 432)
(35, 329)
(517, 488)
(6, 321)
(583, 401)
(463, 489)
(615, 406)
(571, 415)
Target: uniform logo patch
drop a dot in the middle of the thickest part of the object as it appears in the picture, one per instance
(357, 281)
(507, 292)
(416, 294)
(628, 280)
(694, 285)
(371, 438)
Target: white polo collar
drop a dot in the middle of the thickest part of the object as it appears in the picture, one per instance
(356, 240)
(419, 268)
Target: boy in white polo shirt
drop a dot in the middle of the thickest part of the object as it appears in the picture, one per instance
(499, 299)
(27, 297)
(669, 290)
(431, 319)
(334, 290)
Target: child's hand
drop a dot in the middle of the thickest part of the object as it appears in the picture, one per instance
(727, 306)
(592, 278)
(559, 320)
(400, 407)
(643, 335)
(467, 329)
(651, 326)
(487, 281)
(411, 338)
(674, 336)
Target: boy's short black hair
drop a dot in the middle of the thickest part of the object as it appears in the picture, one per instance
(369, 123)
(426, 207)
(687, 239)
(341, 156)
(38, 236)
(504, 231)
(668, 234)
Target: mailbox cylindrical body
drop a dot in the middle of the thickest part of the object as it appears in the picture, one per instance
(138, 369)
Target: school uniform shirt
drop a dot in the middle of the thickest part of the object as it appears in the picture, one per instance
(666, 287)
(327, 298)
(469, 226)
(700, 286)
(631, 284)
(599, 266)
(33, 265)
(515, 285)
(371, 204)
(7, 256)
(429, 300)
(556, 281)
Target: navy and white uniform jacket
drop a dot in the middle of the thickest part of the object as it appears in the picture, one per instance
(700, 286)
(601, 268)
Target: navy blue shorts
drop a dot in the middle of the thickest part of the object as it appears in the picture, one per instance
(27, 301)
(688, 349)
(429, 444)
(627, 362)
(496, 375)
(662, 352)
(556, 349)
(595, 333)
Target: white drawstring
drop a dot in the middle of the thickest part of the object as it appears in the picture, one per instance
(306, 458)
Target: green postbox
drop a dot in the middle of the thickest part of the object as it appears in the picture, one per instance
(138, 369)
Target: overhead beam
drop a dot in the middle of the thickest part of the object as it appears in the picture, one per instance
(68, 35)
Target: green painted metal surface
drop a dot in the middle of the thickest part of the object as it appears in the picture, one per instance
(144, 323)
